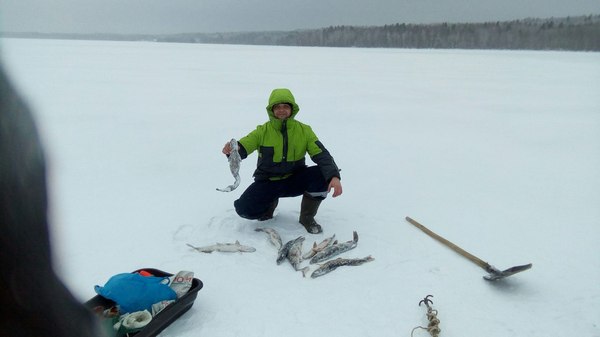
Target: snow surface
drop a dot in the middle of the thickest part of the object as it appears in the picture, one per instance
(497, 151)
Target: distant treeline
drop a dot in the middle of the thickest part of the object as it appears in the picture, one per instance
(580, 33)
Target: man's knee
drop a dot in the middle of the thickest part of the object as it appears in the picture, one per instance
(316, 186)
(244, 210)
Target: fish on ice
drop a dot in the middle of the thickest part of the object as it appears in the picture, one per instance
(319, 247)
(274, 237)
(335, 250)
(281, 256)
(234, 165)
(225, 247)
(332, 265)
(294, 255)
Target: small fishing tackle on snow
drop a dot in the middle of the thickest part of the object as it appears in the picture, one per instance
(434, 323)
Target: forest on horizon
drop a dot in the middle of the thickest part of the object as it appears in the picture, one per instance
(581, 33)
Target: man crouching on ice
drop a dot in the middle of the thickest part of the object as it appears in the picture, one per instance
(281, 172)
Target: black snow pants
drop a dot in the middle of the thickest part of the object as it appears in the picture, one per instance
(257, 198)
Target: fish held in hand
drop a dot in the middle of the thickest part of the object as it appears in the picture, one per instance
(234, 159)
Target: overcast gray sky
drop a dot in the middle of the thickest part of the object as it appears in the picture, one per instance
(177, 16)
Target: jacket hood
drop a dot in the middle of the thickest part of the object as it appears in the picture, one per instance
(282, 95)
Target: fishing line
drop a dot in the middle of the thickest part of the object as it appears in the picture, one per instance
(434, 323)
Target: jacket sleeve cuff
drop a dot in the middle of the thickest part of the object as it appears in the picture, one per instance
(242, 151)
(336, 174)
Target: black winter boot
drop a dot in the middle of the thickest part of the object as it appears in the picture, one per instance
(269, 213)
(308, 210)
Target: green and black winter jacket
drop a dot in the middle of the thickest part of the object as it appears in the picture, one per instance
(282, 144)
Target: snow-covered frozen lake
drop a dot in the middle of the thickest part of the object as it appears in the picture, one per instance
(497, 151)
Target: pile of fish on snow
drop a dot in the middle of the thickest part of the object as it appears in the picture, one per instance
(292, 251)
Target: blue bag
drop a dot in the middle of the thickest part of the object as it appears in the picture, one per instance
(134, 292)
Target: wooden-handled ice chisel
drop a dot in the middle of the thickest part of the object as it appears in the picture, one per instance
(494, 274)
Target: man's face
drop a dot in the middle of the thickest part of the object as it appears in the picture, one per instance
(282, 111)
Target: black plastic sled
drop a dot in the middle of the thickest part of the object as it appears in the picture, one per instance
(165, 317)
